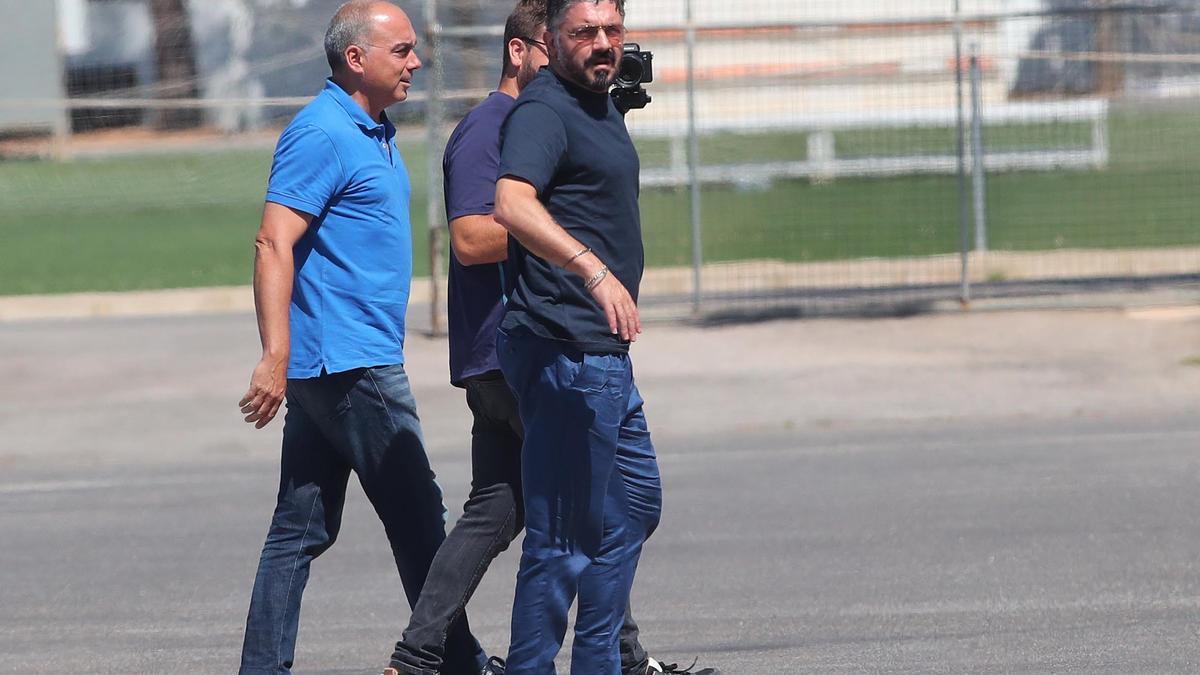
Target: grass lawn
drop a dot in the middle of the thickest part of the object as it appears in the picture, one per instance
(189, 220)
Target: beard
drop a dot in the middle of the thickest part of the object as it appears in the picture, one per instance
(526, 73)
(602, 81)
(598, 81)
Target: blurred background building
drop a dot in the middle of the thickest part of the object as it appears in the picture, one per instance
(247, 49)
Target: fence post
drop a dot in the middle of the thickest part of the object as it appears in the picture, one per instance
(960, 141)
(1100, 136)
(693, 159)
(433, 164)
(60, 145)
(978, 171)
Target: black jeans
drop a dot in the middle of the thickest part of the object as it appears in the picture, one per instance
(492, 518)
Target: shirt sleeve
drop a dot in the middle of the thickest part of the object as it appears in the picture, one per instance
(533, 145)
(306, 173)
(471, 166)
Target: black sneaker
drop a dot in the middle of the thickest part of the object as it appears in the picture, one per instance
(656, 667)
(494, 666)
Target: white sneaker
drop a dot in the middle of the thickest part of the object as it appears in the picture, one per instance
(655, 666)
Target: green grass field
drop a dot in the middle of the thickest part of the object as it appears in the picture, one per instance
(189, 220)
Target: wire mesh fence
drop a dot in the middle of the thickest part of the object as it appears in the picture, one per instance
(830, 159)
(812, 155)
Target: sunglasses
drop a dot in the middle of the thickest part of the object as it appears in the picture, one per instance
(588, 32)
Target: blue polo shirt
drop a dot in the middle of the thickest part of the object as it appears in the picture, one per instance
(354, 263)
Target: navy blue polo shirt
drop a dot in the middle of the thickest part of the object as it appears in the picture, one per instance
(572, 146)
(475, 292)
(354, 263)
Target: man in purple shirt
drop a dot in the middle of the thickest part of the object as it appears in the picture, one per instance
(493, 515)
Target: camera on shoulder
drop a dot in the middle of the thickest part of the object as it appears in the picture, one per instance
(636, 68)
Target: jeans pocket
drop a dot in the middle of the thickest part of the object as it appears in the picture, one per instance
(325, 397)
(587, 373)
(332, 393)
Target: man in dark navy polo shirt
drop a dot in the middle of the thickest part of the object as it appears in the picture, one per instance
(568, 194)
(332, 271)
(493, 514)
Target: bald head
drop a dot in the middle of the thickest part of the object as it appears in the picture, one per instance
(352, 24)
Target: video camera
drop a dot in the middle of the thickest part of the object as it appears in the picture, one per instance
(636, 68)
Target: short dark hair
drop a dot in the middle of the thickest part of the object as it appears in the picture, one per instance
(556, 9)
(526, 21)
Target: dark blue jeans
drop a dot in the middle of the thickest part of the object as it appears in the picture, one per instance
(592, 497)
(363, 420)
(492, 517)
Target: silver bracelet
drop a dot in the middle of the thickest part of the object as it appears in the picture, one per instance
(582, 252)
(596, 278)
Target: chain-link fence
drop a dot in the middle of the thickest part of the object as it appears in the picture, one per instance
(831, 154)
(802, 154)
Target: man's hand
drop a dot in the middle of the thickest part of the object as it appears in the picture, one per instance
(520, 212)
(268, 385)
(619, 307)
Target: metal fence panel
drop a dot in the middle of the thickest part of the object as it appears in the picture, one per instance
(827, 155)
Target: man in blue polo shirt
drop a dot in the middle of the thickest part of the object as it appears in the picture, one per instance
(332, 271)
(568, 195)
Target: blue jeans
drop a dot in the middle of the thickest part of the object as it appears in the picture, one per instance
(492, 517)
(592, 497)
(363, 420)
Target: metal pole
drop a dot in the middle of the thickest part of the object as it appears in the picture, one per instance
(62, 117)
(693, 160)
(1110, 75)
(965, 293)
(433, 165)
(978, 172)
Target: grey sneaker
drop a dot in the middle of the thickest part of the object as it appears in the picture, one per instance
(656, 667)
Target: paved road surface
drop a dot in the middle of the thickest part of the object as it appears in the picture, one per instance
(986, 493)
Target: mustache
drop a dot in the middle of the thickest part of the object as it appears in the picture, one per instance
(608, 56)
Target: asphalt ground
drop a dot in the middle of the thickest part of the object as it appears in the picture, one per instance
(992, 492)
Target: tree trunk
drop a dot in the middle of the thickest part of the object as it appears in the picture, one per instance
(175, 55)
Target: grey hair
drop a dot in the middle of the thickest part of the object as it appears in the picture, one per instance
(557, 9)
(350, 25)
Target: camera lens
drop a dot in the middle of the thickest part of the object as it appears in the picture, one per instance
(631, 71)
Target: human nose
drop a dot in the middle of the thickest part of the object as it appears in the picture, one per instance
(414, 62)
(601, 41)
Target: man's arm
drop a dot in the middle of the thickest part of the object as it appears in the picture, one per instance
(478, 239)
(520, 212)
(274, 270)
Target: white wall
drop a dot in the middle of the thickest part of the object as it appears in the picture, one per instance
(30, 66)
(654, 13)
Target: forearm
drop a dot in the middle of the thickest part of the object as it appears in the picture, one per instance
(530, 223)
(274, 270)
(478, 240)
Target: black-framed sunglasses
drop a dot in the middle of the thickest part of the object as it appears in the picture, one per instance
(530, 40)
